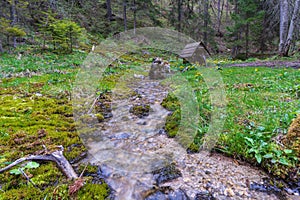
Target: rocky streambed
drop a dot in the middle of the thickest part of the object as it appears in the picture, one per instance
(139, 161)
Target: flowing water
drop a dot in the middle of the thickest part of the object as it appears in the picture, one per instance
(129, 148)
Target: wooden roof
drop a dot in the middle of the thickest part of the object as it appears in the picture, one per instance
(191, 48)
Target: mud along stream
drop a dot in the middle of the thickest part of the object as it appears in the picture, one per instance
(139, 161)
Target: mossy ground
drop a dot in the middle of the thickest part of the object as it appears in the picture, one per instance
(36, 110)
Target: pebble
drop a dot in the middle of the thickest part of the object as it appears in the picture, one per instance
(229, 192)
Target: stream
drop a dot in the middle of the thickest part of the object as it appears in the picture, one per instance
(139, 161)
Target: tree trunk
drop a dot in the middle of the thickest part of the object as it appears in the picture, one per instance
(179, 14)
(227, 11)
(134, 17)
(205, 25)
(13, 19)
(247, 39)
(284, 17)
(235, 49)
(293, 23)
(1, 48)
(125, 14)
(220, 12)
(109, 12)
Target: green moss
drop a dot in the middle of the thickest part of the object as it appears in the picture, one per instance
(172, 123)
(171, 102)
(93, 191)
(99, 117)
(140, 110)
(193, 148)
(24, 192)
(292, 139)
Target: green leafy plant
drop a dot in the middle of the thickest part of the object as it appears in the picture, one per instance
(29, 165)
(259, 145)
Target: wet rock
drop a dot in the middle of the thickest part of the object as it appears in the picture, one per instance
(139, 76)
(166, 174)
(263, 187)
(167, 193)
(159, 69)
(205, 195)
(141, 123)
(157, 195)
(120, 136)
(140, 110)
(162, 131)
(178, 195)
(103, 105)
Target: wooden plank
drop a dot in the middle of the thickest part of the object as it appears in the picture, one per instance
(185, 55)
(192, 45)
(189, 51)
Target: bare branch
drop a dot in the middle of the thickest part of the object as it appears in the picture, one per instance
(56, 156)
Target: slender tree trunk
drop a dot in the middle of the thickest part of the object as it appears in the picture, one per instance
(1, 48)
(247, 39)
(205, 24)
(13, 19)
(293, 23)
(109, 12)
(227, 11)
(220, 12)
(179, 14)
(235, 48)
(262, 36)
(134, 17)
(284, 17)
(125, 14)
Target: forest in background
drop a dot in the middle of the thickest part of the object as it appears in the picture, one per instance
(239, 28)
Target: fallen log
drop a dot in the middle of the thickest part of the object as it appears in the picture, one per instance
(55, 156)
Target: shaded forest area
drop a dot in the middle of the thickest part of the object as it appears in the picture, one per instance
(239, 28)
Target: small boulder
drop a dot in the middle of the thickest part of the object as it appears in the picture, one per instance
(292, 138)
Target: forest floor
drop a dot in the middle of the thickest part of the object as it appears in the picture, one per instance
(277, 63)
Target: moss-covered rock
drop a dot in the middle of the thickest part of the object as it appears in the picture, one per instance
(140, 110)
(103, 106)
(166, 174)
(172, 123)
(292, 139)
(100, 117)
(171, 102)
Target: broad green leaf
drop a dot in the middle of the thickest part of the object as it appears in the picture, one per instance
(261, 128)
(283, 161)
(258, 158)
(15, 171)
(250, 140)
(288, 151)
(273, 161)
(269, 155)
(32, 165)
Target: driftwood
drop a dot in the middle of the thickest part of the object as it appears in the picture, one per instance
(55, 156)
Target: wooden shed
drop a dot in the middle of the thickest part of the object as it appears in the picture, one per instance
(195, 53)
